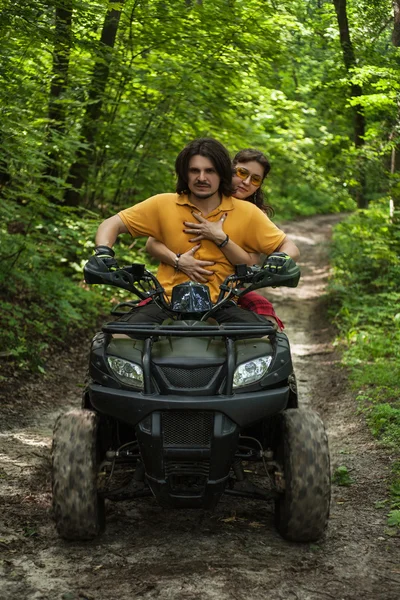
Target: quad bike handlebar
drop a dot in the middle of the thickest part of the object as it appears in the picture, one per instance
(137, 279)
(133, 278)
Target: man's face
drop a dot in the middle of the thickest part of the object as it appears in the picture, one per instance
(203, 179)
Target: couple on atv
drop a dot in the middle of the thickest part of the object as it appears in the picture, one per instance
(175, 403)
(204, 229)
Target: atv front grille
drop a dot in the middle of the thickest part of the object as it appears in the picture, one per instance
(187, 467)
(189, 378)
(187, 428)
(187, 477)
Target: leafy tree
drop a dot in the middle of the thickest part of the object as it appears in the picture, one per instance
(396, 24)
(99, 97)
(349, 60)
(59, 81)
(77, 176)
(395, 158)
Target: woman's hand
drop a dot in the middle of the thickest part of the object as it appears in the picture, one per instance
(194, 268)
(206, 230)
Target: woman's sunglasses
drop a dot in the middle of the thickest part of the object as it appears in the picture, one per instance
(243, 174)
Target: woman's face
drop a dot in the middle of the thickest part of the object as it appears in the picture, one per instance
(243, 188)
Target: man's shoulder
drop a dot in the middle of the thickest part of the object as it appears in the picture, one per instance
(167, 196)
(245, 207)
(154, 201)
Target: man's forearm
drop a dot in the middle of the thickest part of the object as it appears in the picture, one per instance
(109, 230)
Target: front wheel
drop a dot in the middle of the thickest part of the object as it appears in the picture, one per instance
(302, 510)
(77, 507)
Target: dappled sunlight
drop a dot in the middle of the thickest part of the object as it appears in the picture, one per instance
(29, 439)
(310, 349)
(312, 273)
(22, 450)
(312, 283)
(343, 429)
(10, 460)
(302, 239)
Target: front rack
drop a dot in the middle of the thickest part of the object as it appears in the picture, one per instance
(156, 330)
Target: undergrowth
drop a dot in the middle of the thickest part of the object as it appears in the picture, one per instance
(365, 287)
(43, 298)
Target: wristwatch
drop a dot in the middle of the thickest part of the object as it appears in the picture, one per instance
(224, 243)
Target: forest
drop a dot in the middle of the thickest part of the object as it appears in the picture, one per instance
(97, 99)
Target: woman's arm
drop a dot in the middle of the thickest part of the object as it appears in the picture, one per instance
(160, 251)
(209, 230)
(237, 256)
(193, 268)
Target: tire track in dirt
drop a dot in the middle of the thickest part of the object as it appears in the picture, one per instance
(234, 552)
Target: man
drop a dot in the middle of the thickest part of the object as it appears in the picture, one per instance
(204, 185)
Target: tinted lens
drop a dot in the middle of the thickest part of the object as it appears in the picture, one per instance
(256, 179)
(244, 174)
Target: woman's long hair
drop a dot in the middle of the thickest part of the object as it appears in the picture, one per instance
(216, 153)
(247, 155)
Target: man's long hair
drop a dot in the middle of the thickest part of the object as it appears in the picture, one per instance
(216, 153)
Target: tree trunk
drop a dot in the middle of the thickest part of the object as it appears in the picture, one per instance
(356, 91)
(395, 159)
(396, 24)
(5, 177)
(59, 81)
(395, 186)
(78, 173)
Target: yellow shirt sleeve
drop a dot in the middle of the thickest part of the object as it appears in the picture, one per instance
(143, 219)
(266, 236)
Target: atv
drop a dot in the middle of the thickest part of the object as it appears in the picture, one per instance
(188, 410)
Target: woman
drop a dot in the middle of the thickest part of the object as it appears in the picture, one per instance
(250, 168)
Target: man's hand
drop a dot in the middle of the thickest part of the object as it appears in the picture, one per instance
(106, 254)
(206, 230)
(276, 261)
(194, 268)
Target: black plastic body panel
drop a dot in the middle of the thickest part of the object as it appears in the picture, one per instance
(217, 459)
(189, 475)
(242, 408)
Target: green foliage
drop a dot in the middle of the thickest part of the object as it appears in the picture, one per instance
(249, 73)
(384, 420)
(43, 298)
(395, 486)
(394, 518)
(394, 513)
(163, 89)
(366, 293)
(365, 254)
(341, 476)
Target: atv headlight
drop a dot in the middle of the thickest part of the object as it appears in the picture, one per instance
(251, 371)
(128, 372)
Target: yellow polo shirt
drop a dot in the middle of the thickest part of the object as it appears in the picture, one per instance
(162, 217)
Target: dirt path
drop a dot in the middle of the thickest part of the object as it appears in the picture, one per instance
(233, 553)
